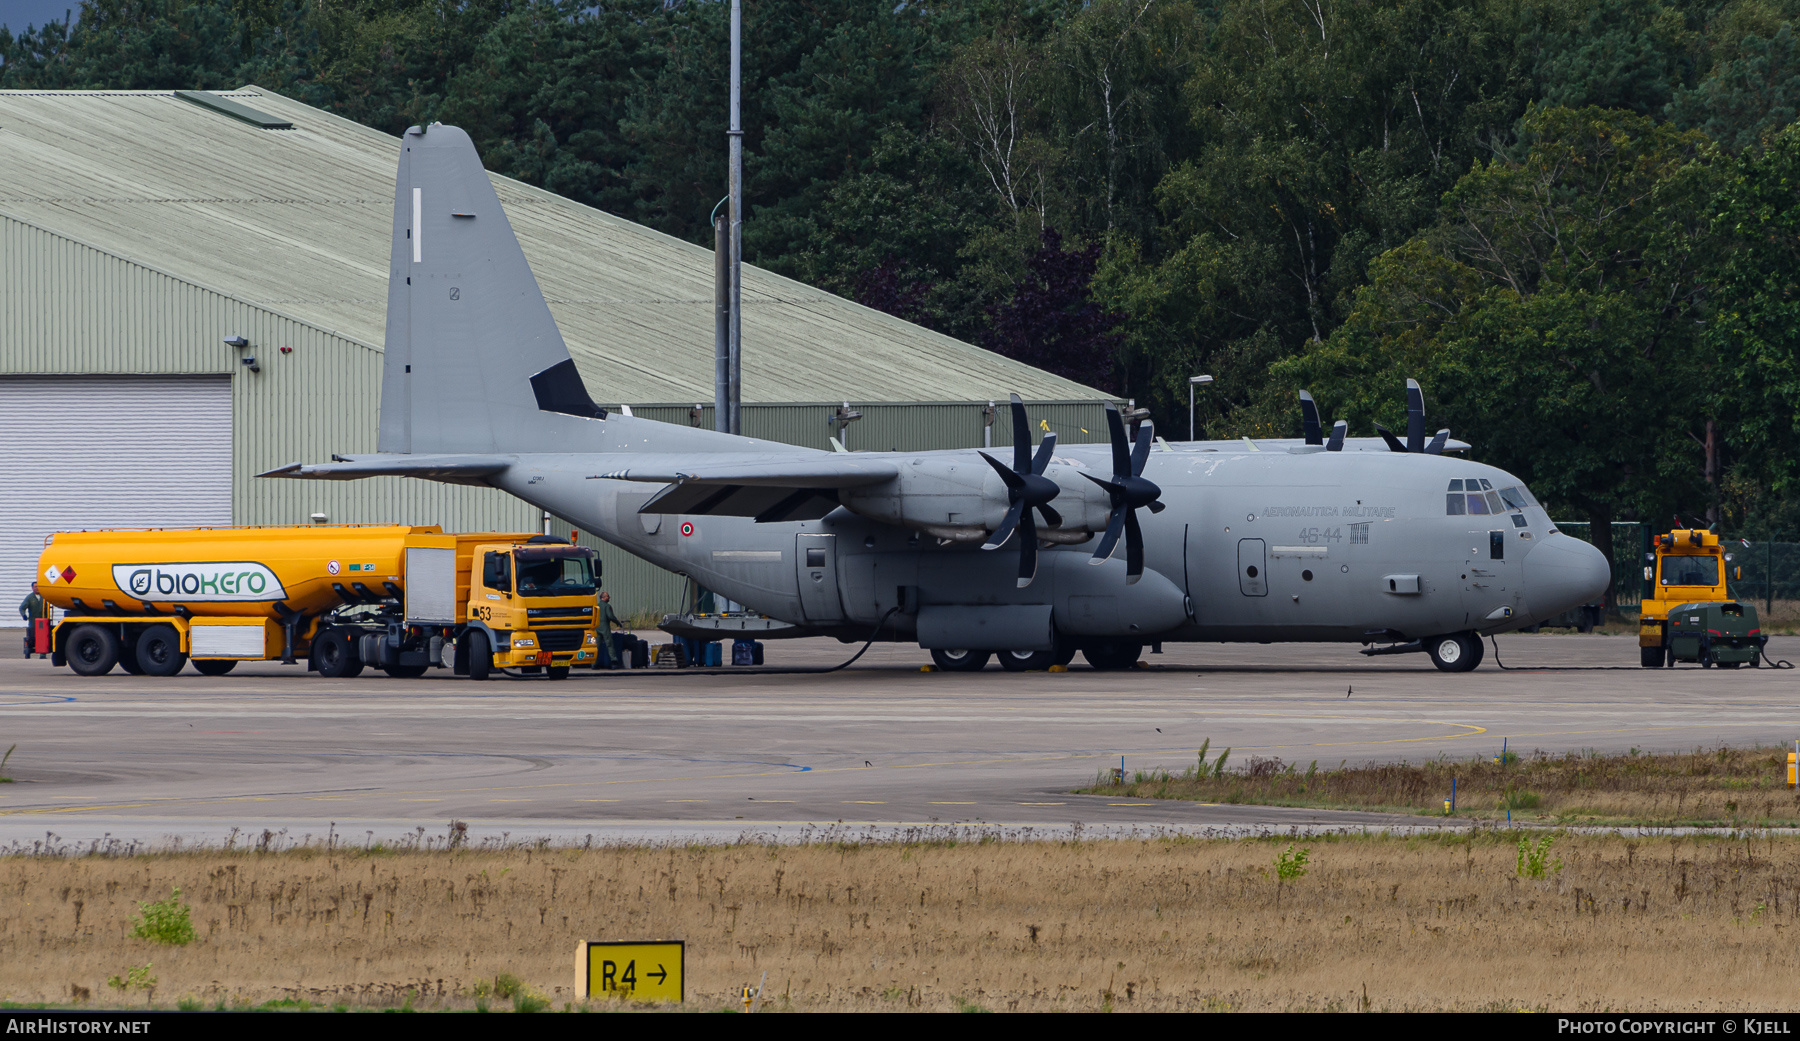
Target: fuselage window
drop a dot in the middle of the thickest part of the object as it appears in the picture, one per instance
(1519, 520)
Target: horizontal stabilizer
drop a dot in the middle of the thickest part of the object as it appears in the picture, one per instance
(454, 469)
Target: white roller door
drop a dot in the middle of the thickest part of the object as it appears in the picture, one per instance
(111, 452)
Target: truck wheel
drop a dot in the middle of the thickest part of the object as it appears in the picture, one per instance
(92, 650)
(334, 656)
(1112, 654)
(960, 660)
(405, 672)
(214, 666)
(1027, 661)
(1455, 652)
(159, 651)
(481, 656)
(1650, 657)
(558, 672)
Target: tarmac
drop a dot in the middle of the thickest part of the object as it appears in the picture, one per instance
(273, 755)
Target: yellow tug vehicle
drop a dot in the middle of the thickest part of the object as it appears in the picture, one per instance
(341, 597)
(1688, 614)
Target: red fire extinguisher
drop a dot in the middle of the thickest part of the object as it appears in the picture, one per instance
(40, 635)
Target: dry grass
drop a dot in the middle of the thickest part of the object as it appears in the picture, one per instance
(1729, 787)
(1441, 923)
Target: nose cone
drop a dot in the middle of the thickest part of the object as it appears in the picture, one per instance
(1562, 572)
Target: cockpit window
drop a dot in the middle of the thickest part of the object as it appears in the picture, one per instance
(559, 571)
(1454, 503)
(1456, 485)
(1473, 495)
(1690, 571)
(1513, 497)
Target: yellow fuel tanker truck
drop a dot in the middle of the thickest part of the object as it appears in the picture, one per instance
(342, 597)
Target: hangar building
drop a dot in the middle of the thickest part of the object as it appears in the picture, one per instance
(142, 230)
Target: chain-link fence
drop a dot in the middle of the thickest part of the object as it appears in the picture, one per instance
(1764, 573)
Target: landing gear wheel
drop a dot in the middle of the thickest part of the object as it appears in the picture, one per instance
(92, 650)
(1455, 652)
(481, 656)
(159, 651)
(334, 656)
(558, 672)
(214, 666)
(1026, 661)
(1650, 657)
(405, 672)
(960, 660)
(1112, 654)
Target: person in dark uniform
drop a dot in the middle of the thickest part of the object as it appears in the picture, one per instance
(31, 609)
(604, 620)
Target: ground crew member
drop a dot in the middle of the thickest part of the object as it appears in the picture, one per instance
(605, 619)
(31, 609)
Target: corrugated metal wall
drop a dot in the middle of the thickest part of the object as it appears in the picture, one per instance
(69, 309)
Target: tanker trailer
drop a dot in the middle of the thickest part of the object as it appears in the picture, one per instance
(341, 596)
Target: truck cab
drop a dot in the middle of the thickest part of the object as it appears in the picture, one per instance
(530, 606)
(1685, 572)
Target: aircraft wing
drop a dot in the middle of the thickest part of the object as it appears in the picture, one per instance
(452, 469)
(779, 488)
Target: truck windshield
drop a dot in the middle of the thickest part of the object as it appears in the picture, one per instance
(1690, 571)
(563, 571)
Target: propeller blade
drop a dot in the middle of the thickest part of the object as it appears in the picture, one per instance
(1134, 548)
(1121, 450)
(1338, 430)
(1114, 527)
(1117, 490)
(1393, 442)
(1436, 447)
(1005, 530)
(1415, 417)
(1051, 517)
(1309, 419)
(1045, 449)
(1140, 452)
(1012, 479)
(1027, 549)
(1021, 436)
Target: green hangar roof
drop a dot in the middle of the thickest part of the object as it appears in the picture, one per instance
(287, 208)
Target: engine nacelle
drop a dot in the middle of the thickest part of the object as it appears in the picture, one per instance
(962, 499)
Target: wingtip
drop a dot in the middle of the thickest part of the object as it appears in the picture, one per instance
(281, 470)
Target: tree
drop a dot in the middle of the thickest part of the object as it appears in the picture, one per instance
(1052, 322)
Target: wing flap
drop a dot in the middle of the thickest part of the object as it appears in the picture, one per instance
(453, 469)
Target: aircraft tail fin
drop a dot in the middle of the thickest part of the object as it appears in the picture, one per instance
(474, 361)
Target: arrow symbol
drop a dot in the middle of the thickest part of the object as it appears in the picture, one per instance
(659, 975)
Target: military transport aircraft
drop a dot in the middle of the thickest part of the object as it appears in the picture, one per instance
(1372, 541)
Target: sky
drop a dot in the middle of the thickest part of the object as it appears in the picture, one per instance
(17, 14)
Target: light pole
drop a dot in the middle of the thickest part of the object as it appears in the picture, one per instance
(1194, 381)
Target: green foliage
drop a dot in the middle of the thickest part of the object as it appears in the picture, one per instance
(136, 977)
(1534, 861)
(1290, 865)
(507, 986)
(1570, 219)
(3, 758)
(164, 921)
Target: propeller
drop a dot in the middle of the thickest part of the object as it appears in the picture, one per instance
(1129, 490)
(1415, 426)
(1309, 419)
(1027, 489)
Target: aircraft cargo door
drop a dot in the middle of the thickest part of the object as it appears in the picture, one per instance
(1253, 568)
(815, 558)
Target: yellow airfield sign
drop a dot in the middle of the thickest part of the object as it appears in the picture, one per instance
(645, 971)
